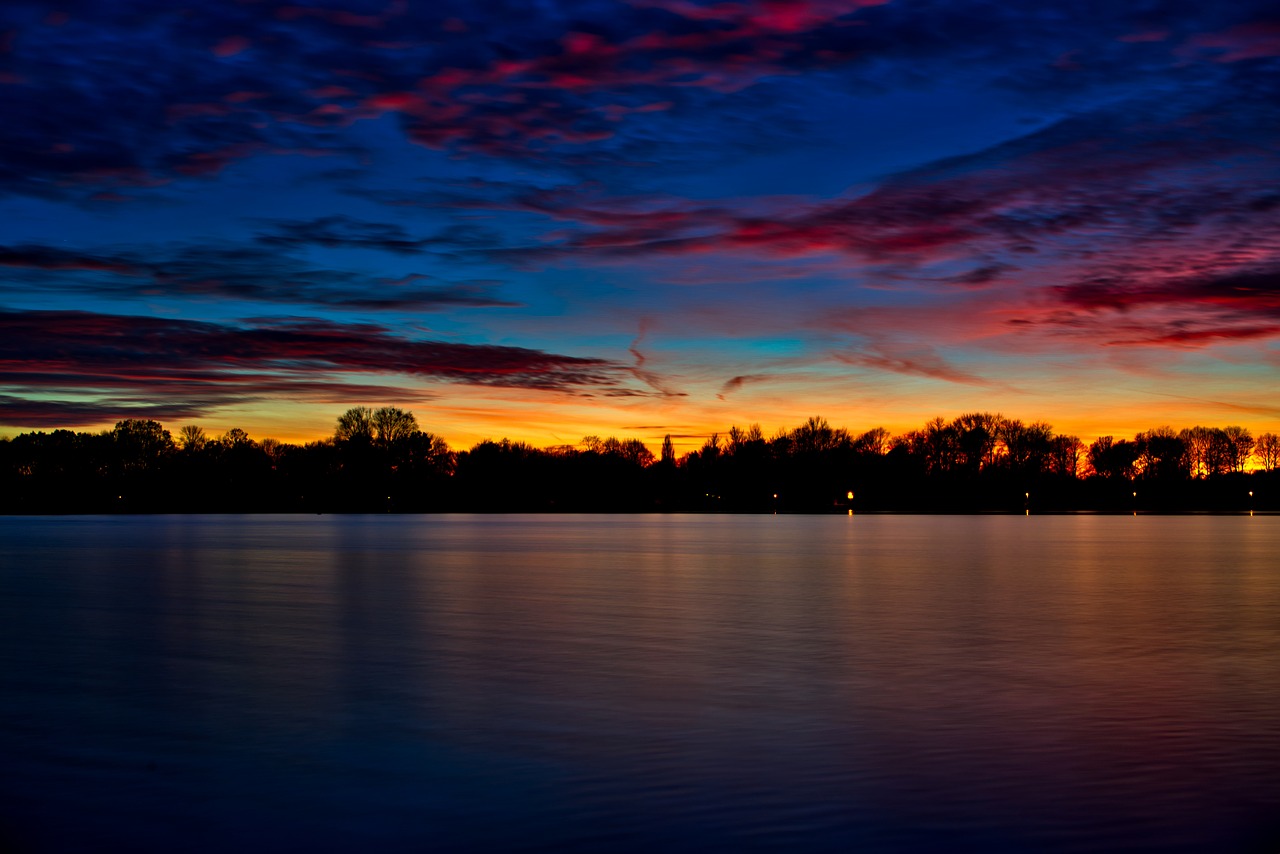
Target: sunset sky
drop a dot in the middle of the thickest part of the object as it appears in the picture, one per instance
(543, 220)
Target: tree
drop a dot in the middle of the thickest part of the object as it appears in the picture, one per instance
(1026, 446)
(1239, 446)
(429, 453)
(976, 434)
(273, 448)
(940, 446)
(1267, 449)
(631, 450)
(636, 452)
(191, 437)
(1064, 455)
(1162, 453)
(1111, 459)
(1220, 455)
(391, 425)
(355, 425)
(874, 442)
(816, 436)
(140, 443)
(668, 451)
(235, 438)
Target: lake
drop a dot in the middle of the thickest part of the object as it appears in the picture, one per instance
(640, 683)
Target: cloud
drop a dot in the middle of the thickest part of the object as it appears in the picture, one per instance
(1145, 307)
(1114, 176)
(1253, 40)
(244, 272)
(194, 365)
(734, 383)
(1249, 292)
(35, 257)
(21, 412)
(134, 95)
(649, 377)
(912, 360)
(340, 231)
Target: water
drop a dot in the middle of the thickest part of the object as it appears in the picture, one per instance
(640, 683)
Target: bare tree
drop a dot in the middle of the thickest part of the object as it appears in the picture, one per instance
(1196, 442)
(235, 438)
(140, 443)
(273, 448)
(816, 436)
(1064, 455)
(1220, 454)
(631, 450)
(1026, 446)
(1113, 459)
(392, 424)
(976, 434)
(941, 446)
(1267, 450)
(191, 437)
(356, 424)
(1162, 453)
(1240, 446)
(874, 442)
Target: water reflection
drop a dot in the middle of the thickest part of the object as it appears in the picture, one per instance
(749, 683)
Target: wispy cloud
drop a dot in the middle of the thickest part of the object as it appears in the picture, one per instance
(239, 272)
(193, 365)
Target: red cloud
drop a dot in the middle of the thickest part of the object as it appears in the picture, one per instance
(48, 258)
(767, 16)
(1247, 41)
(199, 363)
(230, 46)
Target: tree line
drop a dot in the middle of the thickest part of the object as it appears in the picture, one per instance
(381, 460)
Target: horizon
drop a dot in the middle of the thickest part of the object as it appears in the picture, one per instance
(638, 218)
(686, 444)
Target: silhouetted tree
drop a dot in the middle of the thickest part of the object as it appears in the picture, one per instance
(1111, 459)
(938, 445)
(1196, 443)
(1026, 446)
(140, 444)
(1239, 447)
(631, 450)
(380, 461)
(816, 436)
(1220, 455)
(355, 425)
(235, 438)
(874, 442)
(1064, 456)
(1267, 450)
(976, 435)
(1162, 454)
(191, 437)
(391, 425)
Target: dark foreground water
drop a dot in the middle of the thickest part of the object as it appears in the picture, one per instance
(640, 683)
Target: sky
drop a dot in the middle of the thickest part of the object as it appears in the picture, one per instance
(542, 220)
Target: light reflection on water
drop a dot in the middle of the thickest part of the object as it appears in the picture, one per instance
(640, 683)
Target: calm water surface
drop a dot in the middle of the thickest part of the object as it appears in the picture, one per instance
(640, 683)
